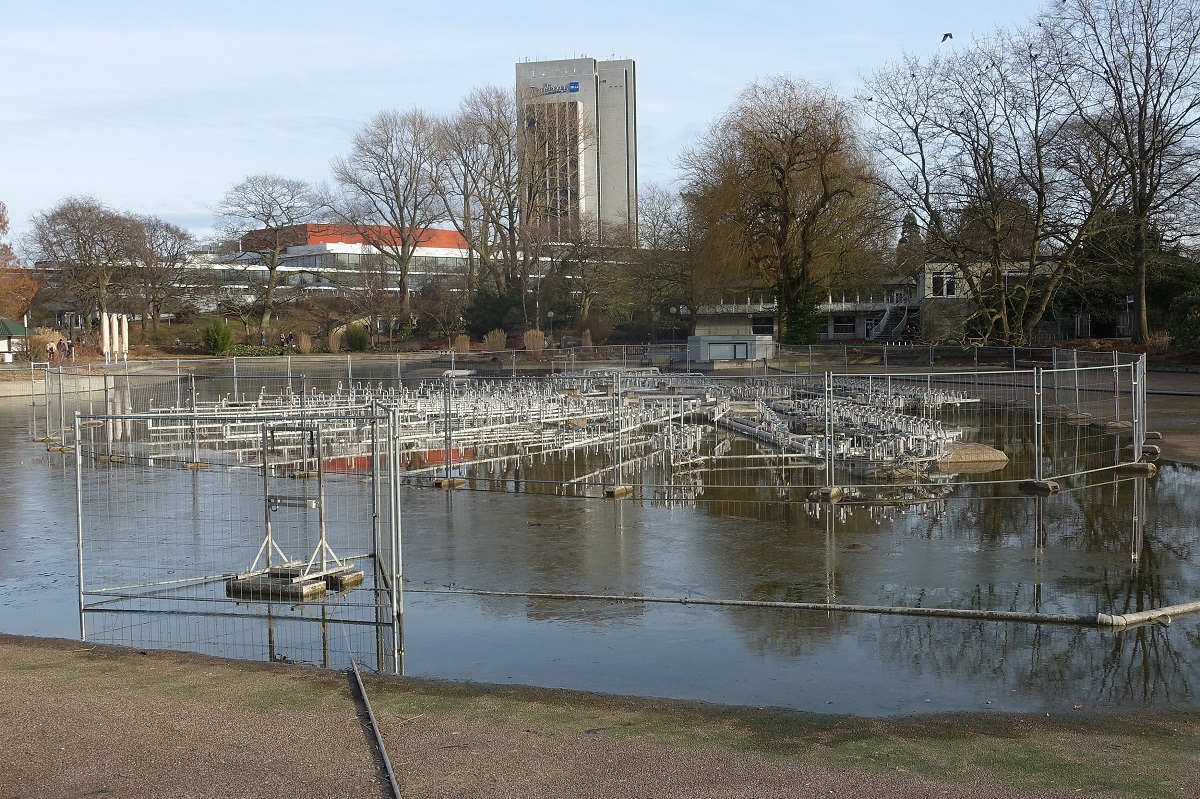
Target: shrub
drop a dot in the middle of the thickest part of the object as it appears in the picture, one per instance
(39, 346)
(218, 338)
(495, 341)
(535, 340)
(358, 338)
(304, 343)
(1185, 321)
(462, 344)
(801, 317)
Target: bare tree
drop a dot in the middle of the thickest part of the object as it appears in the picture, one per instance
(479, 166)
(593, 269)
(785, 190)
(439, 306)
(495, 190)
(159, 256)
(376, 293)
(391, 179)
(263, 212)
(660, 273)
(1132, 70)
(983, 149)
(86, 247)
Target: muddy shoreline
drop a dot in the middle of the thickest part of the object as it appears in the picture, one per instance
(95, 720)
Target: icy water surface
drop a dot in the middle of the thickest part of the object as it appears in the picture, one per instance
(976, 548)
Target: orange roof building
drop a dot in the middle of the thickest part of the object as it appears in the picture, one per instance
(326, 256)
(371, 235)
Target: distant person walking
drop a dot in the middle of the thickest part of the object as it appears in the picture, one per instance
(50, 351)
(262, 338)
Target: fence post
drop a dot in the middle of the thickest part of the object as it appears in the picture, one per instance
(46, 397)
(79, 522)
(1054, 364)
(1075, 369)
(1116, 388)
(829, 476)
(446, 431)
(195, 426)
(108, 423)
(1037, 423)
(975, 369)
(1139, 406)
(62, 421)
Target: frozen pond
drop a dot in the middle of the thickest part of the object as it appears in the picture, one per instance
(976, 548)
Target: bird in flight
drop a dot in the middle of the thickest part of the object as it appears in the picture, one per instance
(946, 36)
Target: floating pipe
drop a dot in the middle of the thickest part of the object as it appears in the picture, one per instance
(1164, 615)
(1100, 620)
(1080, 620)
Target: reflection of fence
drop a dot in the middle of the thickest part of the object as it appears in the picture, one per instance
(573, 423)
(272, 525)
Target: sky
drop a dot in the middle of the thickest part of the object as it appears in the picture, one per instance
(160, 107)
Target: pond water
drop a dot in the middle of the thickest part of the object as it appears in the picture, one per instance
(979, 545)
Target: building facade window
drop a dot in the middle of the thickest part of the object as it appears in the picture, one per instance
(734, 351)
(843, 325)
(762, 325)
(944, 284)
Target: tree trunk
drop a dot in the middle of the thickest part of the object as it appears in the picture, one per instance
(1139, 327)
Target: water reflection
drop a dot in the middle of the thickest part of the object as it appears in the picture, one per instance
(745, 534)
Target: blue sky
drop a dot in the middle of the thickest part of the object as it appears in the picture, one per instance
(160, 107)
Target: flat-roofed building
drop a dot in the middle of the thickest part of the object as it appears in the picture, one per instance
(580, 145)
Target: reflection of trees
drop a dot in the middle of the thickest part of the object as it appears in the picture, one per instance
(789, 633)
(1091, 530)
(980, 550)
(798, 558)
(584, 612)
(1062, 665)
(528, 544)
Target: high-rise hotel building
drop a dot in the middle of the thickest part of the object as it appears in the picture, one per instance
(580, 145)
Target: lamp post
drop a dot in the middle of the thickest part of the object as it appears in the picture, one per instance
(550, 317)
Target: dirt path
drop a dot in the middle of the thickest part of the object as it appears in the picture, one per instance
(86, 720)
